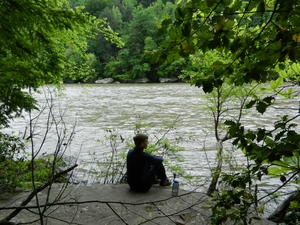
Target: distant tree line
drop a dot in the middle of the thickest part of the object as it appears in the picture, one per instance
(137, 22)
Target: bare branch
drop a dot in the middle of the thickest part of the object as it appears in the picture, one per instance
(162, 212)
(281, 186)
(268, 22)
(34, 193)
(32, 173)
(70, 203)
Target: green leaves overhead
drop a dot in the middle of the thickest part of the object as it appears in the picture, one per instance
(210, 3)
(34, 38)
(258, 33)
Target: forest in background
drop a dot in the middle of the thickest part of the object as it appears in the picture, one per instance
(137, 24)
(141, 28)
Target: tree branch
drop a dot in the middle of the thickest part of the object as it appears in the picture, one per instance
(32, 194)
(281, 186)
(92, 201)
(280, 212)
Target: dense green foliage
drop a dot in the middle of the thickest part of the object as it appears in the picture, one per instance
(258, 34)
(16, 168)
(237, 42)
(35, 41)
(18, 174)
(11, 149)
(138, 23)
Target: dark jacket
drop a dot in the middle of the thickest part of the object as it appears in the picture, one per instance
(140, 173)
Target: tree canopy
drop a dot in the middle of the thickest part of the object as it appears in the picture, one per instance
(259, 34)
(34, 38)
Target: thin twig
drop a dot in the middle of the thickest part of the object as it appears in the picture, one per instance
(32, 171)
(93, 201)
(247, 7)
(117, 214)
(54, 218)
(32, 194)
(171, 214)
(281, 186)
(162, 212)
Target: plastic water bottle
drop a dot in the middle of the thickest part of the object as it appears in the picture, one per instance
(175, 188)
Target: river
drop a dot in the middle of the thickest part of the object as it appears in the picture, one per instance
(119, 107)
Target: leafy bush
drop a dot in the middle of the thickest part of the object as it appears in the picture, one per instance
(16, 170)
(10, 149)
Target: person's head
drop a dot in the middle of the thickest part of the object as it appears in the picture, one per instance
(141, 141)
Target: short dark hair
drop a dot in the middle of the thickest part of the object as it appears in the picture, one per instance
(139, 139)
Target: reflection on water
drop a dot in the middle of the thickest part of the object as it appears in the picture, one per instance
(97, 108)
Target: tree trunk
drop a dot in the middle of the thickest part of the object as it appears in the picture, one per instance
(281, 210)
(217, 170)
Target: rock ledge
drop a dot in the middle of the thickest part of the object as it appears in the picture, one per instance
(115, 204)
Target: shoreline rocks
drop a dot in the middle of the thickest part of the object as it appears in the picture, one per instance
(137, 81)
(105, 81)
(169, 80)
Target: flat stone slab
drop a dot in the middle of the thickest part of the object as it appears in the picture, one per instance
(112, 204)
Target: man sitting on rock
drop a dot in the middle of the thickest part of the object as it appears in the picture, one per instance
(142, 168)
